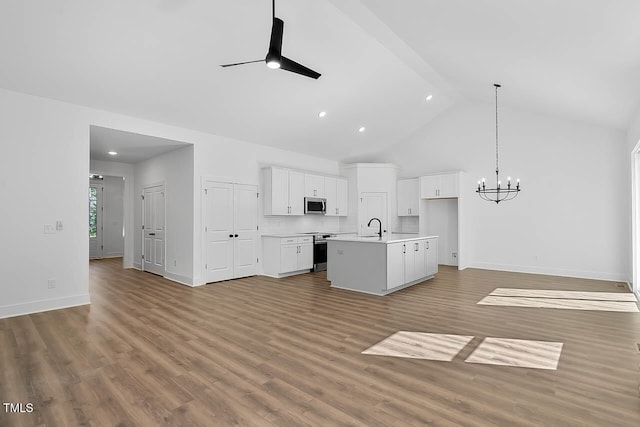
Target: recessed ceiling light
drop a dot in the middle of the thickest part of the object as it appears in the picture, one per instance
(322, 114)
(429, 97)
(362, 128)
(113, 153)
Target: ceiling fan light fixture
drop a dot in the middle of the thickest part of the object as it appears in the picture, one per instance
(273, 64)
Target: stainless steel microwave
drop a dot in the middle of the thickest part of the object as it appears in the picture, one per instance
(315, 205)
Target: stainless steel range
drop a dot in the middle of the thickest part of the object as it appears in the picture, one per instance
(320, 250)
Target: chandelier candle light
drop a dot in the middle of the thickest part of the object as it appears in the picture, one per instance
(499, 193)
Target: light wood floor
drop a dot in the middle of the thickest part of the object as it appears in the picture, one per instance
(261, 351)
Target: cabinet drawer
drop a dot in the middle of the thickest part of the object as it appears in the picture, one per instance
(306, 239)
(288, 240)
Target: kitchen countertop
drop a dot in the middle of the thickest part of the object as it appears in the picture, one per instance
(375, 239)
(285, 235)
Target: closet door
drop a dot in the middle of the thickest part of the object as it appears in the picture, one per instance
(245, 212)
(219, 231)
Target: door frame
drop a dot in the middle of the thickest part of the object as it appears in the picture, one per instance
(164, 249)
(635, 219)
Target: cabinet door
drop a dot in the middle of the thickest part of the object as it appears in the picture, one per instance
(431, 250)
(420, 268)
(305, 256)
(408, 196)
(296, 193)
(395, 265)
(331, 194)
(411, 250)
(313, 185)
(342, 193)
(429, 186)
(448, 187)
(288, 258)
(279, 191)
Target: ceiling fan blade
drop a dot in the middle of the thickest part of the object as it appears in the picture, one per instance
(242, 63)
(275, 45)
(294, 67)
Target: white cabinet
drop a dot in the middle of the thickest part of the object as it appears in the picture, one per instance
(284, 256)
(411, 261)
(336, 194)
(431, 258)
(283, 191)
(442, 186)
(395, 264)
(408, 197)
(314, 185)
(230, 218)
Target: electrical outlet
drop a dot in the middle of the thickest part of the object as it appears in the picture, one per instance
(454, 255)
(51, 283)
(59, 226)
(49, 229)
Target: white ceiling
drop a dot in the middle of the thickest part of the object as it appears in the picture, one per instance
(158, 60)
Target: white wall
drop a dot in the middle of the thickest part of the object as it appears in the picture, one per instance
(175, 171)
(44, 176)
(113, 216)
(571, 216)
(49, 143)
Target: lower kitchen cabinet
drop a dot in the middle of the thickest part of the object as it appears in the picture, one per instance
(411, 261)
(285, 256)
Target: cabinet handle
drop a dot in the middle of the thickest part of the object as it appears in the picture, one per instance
(416, 247)
(404, 249)
(427, 244)
(235, 235)
(231, 235)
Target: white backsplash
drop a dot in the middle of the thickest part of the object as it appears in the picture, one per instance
(408, 224)
(299, 224)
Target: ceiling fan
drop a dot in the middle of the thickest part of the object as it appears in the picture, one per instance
(274, 58)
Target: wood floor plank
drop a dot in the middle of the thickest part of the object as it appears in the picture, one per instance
(287, 352)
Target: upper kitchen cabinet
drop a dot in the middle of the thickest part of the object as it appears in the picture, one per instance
(441, 186)
(408, 197)
(314, 185)
(284, 191)
(336, 195)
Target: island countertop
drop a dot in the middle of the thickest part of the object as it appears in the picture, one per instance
(390, 238)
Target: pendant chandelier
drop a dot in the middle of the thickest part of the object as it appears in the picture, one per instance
(500, 193)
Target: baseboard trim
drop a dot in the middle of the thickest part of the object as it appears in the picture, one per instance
(579, 274)
(43, 305)
(183, 280)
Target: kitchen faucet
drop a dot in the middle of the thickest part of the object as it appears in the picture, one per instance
(379, 226)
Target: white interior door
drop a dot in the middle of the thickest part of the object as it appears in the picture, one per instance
(373, 205)
(245, 257)
(154, 229)
(219, 233)
(95, 220)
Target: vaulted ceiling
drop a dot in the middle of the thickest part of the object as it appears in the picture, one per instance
(159, 60)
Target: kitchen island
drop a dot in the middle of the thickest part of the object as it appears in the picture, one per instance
(381, 265)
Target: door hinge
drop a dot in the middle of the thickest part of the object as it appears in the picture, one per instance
(206, 266)
(257, 260)
(205, 191)
(143, 226)
(257, 195)
(257, 227)
(142, 197)
(142, 256)
(205, 229)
